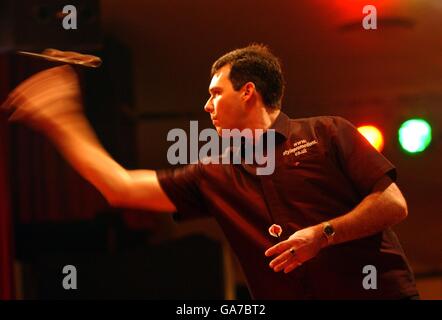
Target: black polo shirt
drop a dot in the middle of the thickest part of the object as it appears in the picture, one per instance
(324, 168)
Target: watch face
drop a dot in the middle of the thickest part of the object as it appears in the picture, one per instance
(328, 230)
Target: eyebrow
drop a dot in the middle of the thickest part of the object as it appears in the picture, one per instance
(214, 89)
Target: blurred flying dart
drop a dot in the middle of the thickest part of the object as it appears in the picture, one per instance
(69, 57)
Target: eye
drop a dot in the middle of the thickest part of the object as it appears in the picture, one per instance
(214, 93)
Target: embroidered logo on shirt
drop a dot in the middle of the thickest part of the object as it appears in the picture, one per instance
(300, 147)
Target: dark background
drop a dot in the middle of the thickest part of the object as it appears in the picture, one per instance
(157, 57)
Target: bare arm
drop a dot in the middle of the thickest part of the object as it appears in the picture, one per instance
(50, 102)
(383, 207)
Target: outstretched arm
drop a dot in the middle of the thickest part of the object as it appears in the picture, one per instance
(50, 102)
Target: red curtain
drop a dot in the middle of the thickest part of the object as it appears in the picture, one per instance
(6, 243)
(45, 187)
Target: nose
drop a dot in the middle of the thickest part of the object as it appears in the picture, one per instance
(209, 106)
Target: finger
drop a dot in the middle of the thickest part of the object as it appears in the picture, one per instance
(286, 255)
(278, 248)
(19, 106)
(53, 83)
(35, 100)
(6, 105)
(292, 266)
(62, 72)
(281, 265)
(17, 115)
(10, 105)
(282, 246)
(288, 264)
(34, 80)
(18, 92)
(19, 102)
(56, 81)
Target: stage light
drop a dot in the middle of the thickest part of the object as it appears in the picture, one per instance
(415, 135)
(373, 135)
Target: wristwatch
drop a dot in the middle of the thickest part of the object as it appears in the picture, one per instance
(328, 231)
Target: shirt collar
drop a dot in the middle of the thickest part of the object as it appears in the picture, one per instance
(281, 124)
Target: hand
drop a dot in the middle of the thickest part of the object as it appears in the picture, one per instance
(49, 98)
(298, 248)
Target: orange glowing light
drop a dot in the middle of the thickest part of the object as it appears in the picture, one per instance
(373, 135)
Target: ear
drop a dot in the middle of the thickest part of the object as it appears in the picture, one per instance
(248, 90)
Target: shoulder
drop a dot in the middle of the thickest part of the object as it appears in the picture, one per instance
(320, 120)
(320, 124)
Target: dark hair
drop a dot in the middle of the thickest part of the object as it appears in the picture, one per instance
(255, 63)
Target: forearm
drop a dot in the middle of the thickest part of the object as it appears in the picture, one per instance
(79, 145)
(376, 212)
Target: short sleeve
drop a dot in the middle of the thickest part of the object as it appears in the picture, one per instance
(359, 160)
(182, 186)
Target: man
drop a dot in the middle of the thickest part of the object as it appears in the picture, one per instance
(318, 227)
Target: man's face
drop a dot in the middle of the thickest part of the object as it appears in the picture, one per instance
(226, 108)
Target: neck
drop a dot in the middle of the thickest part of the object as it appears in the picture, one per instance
(263, 118)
